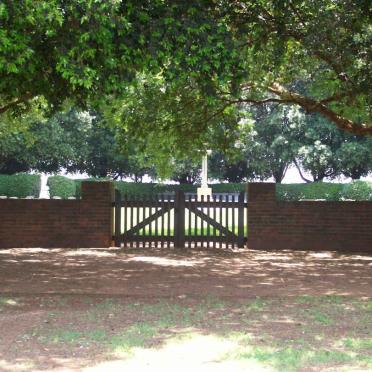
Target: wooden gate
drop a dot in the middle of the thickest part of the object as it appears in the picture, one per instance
(179, 220)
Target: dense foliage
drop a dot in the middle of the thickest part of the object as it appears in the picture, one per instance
(356, 190)
(20, 185)
(61, 187)
(223, 53)
(280, 137)
(65, 187)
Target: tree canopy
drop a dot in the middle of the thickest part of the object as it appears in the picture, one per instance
(91, 53)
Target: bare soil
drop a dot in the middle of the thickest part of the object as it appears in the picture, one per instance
(51, 300)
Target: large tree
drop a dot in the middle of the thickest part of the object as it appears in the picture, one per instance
(231, 52)
(46, 146)
(76, 141)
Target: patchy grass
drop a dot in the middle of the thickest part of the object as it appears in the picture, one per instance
(8, 302)
(275, 334)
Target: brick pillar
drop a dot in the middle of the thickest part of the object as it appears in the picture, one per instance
(261, 214)
(97, 213)
(261, 192)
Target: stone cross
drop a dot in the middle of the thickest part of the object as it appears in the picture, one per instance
(204, 190)
(204, 183)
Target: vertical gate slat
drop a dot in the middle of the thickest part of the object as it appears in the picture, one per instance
(221, 220)
(196, 224)
(214, 198)
(125, 218)
(227, 220)
(234, 240)
(241, 220)
(136, 217)
(148, 199)
(202, 224)
(168, 221)
(189, 232)
(117, 218)
(131, 218)
(208, 225)
(156, 202)
(141, 215)
(162, 204)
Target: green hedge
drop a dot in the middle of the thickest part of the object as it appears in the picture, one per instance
(20, 185)
(315, 190)
(62, 187)
(358, 190)
(65, 187)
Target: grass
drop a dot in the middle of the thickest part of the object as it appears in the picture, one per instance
(7, 302)
(281, 334)
(258, 304)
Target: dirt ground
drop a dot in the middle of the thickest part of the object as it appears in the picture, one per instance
(63, 309)
(167, 273)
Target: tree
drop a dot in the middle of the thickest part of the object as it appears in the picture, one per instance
(171, 123)
(76, 141)
(355, 155)
(105, 158)
(268, 148)
(232, 170)
(186, 172)
(46, 146)
(233, 51)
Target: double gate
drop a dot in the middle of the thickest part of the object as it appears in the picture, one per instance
(179, 220)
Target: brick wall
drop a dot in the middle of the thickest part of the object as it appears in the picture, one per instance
(308, 225)
(59, 223)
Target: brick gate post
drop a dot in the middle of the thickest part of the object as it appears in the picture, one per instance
(97, 213)
(261, 213)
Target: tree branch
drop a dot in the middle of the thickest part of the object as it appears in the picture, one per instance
(313, 106)
(16, 102)
(299, 171)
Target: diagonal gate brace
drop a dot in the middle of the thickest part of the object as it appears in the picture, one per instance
(146, 221)
(211, 221)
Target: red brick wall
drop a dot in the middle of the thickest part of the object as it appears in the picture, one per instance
(59, 223)
(309, 225)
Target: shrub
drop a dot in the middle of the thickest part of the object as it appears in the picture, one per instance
(65, 187)
(61, 186)
(358, 190)
(315, 190)
(229, 187)
(20, 185)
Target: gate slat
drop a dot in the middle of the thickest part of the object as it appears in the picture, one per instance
(162, 204)
(156, 202)
(208, 225)
(150, 223)
(241, 220)
(168, 221)
(117, 218)
(214, 227)
(221, 219)
(202, 222)
(235, 239)
(125, 219)
(131, 219)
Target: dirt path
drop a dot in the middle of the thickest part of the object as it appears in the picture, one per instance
(177, 273)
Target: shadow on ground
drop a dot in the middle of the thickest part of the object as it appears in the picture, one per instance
(111, 309)
(156, 273)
